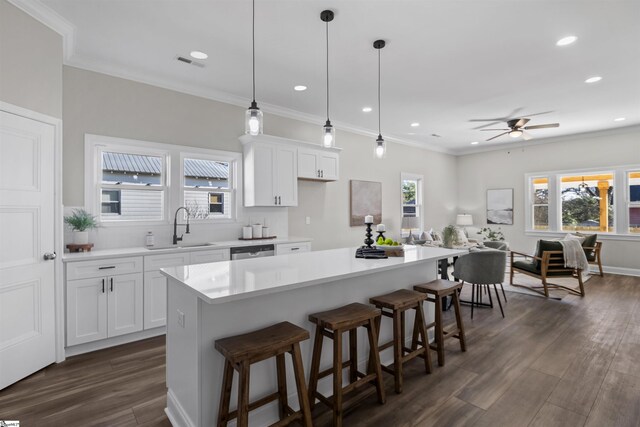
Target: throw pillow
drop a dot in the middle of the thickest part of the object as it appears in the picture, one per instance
(462, 237)
(589, 240)
(426, 236)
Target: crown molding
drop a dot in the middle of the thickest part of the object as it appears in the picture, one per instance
(550, 140)
(120, 71)
(47, 16)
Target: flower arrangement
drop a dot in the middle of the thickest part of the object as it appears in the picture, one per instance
(489, 234)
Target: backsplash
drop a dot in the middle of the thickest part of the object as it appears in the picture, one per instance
(127, 236)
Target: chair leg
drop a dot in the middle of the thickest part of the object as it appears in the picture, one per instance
(315, 367)
(420, 327)
(495, 288)
(243, 395)
(439, 333)
(303, 398)
(473, 298)
(353, 355)
(580, 283)
(504, 294)
(600, 266)
(374, 356)
(397, 350)
(225, 396)
(282, 386)
(337, 378)
(546, 289)
(456, 305)
(511, 276)
(486, 287)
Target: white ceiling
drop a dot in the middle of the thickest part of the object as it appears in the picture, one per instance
(446, 62)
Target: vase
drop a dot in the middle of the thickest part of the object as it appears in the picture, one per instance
(80, 237)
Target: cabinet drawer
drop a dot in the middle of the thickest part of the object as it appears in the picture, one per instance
(292, 248)
(103, 267)
(156, 262)
(203, 257)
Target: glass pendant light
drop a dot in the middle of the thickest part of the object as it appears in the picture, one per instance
(328, 131)
(380, 149)
(253, 116)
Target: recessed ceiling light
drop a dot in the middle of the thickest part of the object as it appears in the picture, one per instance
(198, 55)
(299, 88)
(415, 124)
(565, 41)
(366, 109)
(619, 119)
(411, 133)
(475, 143)
(593, 79)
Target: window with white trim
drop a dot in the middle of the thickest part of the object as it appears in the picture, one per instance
(411, 193)
(633, 201)
(208, 187)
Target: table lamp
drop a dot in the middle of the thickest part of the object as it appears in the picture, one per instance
(464, 219)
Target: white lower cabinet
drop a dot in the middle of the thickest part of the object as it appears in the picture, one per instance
(103, 307)
(293, 248)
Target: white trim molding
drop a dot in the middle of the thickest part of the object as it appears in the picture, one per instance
(623, 271)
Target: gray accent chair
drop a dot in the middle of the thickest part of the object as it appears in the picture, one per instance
(501, 246)
(482, 268)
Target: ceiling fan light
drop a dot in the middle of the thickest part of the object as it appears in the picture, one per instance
(515, 133)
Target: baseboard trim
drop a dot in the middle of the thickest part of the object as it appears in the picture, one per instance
(112, 342)
(176, 413)
(616, 270)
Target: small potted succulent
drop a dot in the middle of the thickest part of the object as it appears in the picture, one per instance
(81, 222)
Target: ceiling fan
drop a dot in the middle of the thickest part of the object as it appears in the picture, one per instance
(517, 128)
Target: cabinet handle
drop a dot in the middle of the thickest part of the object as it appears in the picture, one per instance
(322, 174)
(275, 200)
(279, 200)
(103, 285)
(295, 249)
(111, 285)
(318, 173)
(106, 268)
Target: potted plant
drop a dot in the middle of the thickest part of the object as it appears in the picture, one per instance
(80, 222)
(450, 236)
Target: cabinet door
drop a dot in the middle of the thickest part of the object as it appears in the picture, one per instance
(328, 166)
(125, 306)
(286, 176)
(155, 299)
(86, 310)
(263, 180)
(203, 257)
(292, 248)
(308, 164)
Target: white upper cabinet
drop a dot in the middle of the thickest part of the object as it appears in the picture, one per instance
(272, 166)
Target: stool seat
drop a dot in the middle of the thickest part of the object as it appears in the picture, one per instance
(440, 287)
(261, 344)
(398, 300)
(345, 317)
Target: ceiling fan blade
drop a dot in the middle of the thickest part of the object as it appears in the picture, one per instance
(536, 114)
(493, 130)
(526, 136)
(485, 125)
(497, 136)
(548, 125)
(523, 121)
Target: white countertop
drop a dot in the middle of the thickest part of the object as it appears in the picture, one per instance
(224, 281)
(141, 250)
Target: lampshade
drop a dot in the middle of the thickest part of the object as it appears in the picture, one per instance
(410, 222)
(464, 219)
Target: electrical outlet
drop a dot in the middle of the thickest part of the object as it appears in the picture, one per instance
(180, 318)
(307, 220)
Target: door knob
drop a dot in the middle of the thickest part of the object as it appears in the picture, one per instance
(48, 256)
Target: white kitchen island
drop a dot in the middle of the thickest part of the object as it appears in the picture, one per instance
(211, 301)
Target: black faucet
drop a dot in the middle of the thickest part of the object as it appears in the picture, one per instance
(177, 239)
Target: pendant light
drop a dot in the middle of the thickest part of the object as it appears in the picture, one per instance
(328, 131)
(380, 149)
(253, 116)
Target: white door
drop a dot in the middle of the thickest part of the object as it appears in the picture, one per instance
(86, 310)
(264, 159)
(286, 172)
(329, 166)
(155, 299)
(27, 311)
(124, 304)
(308, 164)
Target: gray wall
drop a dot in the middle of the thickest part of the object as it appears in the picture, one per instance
(506, 169)
(30, 62)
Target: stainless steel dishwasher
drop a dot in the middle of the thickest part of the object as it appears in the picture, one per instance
(257, 251)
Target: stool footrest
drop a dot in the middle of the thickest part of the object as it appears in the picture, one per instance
(258, 403)
(287, 420)
(329, 371)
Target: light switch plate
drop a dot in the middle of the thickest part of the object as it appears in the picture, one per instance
(180, 318)
(307, 220)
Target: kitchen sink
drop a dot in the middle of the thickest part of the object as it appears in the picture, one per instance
(185, 246)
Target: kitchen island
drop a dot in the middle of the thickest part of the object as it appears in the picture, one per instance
(211, 301)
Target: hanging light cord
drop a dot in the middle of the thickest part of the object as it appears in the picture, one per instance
(327, 33)
(253, 46)
(379, 133)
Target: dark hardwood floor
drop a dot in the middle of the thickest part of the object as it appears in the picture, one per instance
(574, 362)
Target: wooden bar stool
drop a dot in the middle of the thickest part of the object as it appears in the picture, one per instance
(394, 305)
(436, 290)
(241, 351)
(332, 324)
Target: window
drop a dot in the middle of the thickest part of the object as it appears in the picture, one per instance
(602, 201)
(633, 203)
(201, 176)
(132, 186)
(129, 182)
(411, 195)
(540, 203)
